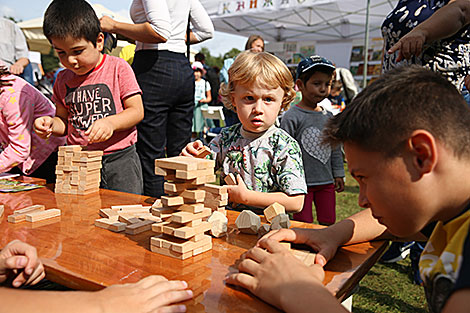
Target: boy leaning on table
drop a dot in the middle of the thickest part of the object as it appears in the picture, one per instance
(407, 142)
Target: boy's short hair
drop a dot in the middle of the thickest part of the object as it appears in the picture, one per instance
(315, 63)
(265, 68)
(382, 116)
(75, 18)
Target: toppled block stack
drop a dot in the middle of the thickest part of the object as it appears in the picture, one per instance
(78, 171)
(33, 213)
(182, 234)
(133, 219)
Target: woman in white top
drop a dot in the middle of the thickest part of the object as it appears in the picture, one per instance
(164, 75)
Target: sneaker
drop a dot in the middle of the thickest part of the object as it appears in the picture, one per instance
(396, 252)
(415, 254)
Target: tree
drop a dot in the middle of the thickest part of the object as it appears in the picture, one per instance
(232, 53)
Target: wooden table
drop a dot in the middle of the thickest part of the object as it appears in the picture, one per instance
(81, 256)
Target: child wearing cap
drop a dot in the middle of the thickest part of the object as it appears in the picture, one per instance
(323, 165)
(266, 159)
(202, 96)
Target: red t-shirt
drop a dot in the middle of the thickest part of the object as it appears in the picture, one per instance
(94, 96)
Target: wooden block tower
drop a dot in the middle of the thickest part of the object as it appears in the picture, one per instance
(182, 234)
(78, 171)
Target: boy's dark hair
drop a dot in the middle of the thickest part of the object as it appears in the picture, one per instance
(306, 76)
(315, 63)
(382, 117)
(75, 18)
(200, 57)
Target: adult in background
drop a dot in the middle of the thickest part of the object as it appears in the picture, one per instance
(211, 76)
(13, 47)
(436, 35)
(254, 43)
(164, 75)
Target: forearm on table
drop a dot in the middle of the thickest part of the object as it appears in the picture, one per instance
(446, 21)
(263, 199)
(19, 301)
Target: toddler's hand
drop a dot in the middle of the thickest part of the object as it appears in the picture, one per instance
(192, 148)
(339, 184)
(101, 130)
(238, 193)
(43, 126)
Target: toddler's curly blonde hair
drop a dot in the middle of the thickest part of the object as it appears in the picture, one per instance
(262, 67)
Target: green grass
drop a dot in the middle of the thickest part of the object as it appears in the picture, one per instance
(386, 288)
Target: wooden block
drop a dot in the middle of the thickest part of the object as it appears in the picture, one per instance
(273, 210)
(248, 222)
(194, 174)
(214, 204)
(198, 237)
(111, 225)
(90, 166)
(83, 159)
(215, 189)
(149, 216)
(20, 215)
(264, 229)
(157, 204)
(195, 195)
(161, 171)
(185, 232)
(280, 221)
(307, 257)
(127, 208)
(177, 163)
(2, 209)
(202, 249)
(171, 253)
(215, 197)
(70, 148)
(172, 201)
(185, 217)
(194, 223)
(109, 213)
(42, 215)
(158, 227)
(285, 244)
(140, 227)
(176, 187)
(195, 181)
(128, 219)
(191, 208)
(90, 154)
(163, 213)
(203, 152)
(230, 179)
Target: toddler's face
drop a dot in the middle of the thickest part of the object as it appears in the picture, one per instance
(78, 55)
(316, 88)
(257, 106)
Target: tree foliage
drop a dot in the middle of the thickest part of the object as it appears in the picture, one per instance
(219, 60)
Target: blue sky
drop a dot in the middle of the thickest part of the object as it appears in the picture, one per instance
(28, 9)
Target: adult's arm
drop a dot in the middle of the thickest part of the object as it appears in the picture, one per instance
(156, 29)
(203, 28)
(18, 67)
(444, 23)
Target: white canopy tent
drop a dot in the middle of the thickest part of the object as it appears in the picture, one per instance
(333, 25)
(32, 29)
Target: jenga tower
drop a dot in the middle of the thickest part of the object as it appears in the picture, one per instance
(78, 171)
(182, 234)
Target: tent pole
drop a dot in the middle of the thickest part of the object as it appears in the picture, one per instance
(366, 47)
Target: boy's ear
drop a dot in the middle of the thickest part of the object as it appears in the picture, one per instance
(100, 42)
(422, 145)
(300, 84)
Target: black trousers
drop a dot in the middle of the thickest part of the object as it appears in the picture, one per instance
(167, 83)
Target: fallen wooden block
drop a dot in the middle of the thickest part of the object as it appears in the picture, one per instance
(126, 207)
(137, 228)
(230, 179)
(248, 222)
(172, 201)
(218, 224)
(109, 213)
(264, 229)
(42, 215)
(2, 209)
(157, 204)
(128, 219)
(280, 221)
(111, 225)
(20, 215)
(273, 210)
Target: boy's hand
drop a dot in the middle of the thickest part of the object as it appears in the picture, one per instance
(43, 126)
(192, 148)
(339, 184)
(151, 294)
(21, 260)
(270, 270)
(320, 240)
(101, 130)
(238, 193)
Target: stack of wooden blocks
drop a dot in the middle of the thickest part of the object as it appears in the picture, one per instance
(78, 171)
(182, 234)
(33, 213)
(133, 219)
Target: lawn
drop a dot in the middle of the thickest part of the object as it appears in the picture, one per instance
(386, 288)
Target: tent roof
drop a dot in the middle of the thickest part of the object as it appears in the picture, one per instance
(284, 20)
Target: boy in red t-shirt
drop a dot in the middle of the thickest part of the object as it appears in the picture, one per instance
(97, 97)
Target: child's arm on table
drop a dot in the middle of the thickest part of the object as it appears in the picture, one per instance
(102, 129)
(45, 126)
(240, 194)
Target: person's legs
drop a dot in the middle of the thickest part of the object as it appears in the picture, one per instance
(325, 204)
(306, 215)
(180, 115)
(153, 77)
(122, 171)
(396, 252)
